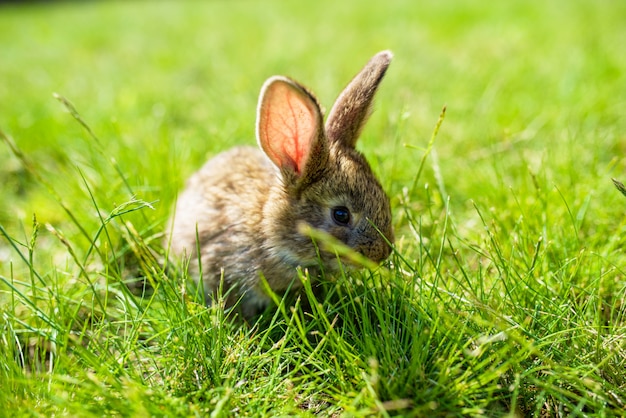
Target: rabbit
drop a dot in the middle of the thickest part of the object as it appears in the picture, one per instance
(239, 218)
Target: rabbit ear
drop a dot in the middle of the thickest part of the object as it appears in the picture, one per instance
(289, 129)
(353, 106)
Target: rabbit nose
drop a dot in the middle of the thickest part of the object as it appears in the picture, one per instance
(385, 251)
(376, 251)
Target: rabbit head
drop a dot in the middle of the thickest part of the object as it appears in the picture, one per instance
(323, 180)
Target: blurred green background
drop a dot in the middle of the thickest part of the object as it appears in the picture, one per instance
(533, 86)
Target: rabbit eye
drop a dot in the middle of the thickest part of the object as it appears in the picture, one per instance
(341, 215)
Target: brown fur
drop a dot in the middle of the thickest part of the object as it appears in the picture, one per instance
(243, 209)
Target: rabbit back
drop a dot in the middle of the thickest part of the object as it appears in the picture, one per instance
(220, 214)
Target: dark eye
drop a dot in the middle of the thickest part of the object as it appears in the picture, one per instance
(341, 215)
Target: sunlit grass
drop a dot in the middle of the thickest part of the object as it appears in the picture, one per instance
(504, 295)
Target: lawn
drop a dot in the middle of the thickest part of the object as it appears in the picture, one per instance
(506, 291)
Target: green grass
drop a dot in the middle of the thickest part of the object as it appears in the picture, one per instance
(505, 295)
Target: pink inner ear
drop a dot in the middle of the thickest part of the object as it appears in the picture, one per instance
(288, 125)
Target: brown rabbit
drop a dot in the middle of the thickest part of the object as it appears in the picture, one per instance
(244, 209)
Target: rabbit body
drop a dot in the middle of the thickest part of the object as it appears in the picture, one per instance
(240, 216)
